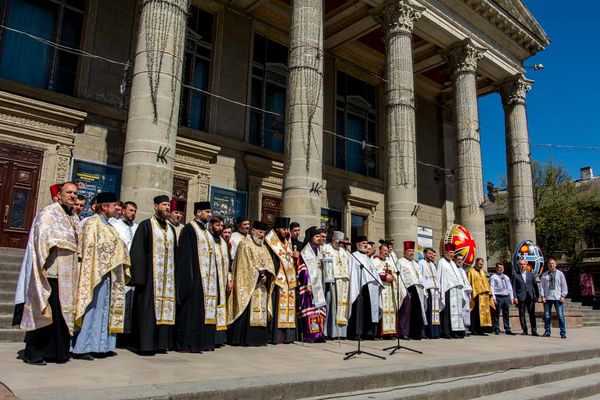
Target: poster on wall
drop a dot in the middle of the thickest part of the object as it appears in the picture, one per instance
(331, 220)
(228, 203)
(92, 178)
(425, 239)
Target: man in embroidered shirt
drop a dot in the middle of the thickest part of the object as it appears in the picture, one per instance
(152, 254)
(502, 296)
(553, 290)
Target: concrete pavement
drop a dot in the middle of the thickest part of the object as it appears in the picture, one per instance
(276, 371)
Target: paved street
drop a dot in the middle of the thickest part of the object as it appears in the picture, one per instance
(129, 376)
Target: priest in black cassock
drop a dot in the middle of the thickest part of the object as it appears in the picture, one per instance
(199, 309)
(249, 303)
(153, 251)
(282, 327)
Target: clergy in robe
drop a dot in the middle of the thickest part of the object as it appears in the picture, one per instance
(390, 296)
(451, 290)
(103, 274)
(412, 317)
(241, 233)
(126, 227)
(311, 295)
(45, 295)
(282, 327)
(335, 259)
(152, 254)
(459, 260)
(200, 309)
(365, 290)
(176, 219)
(481, 317)
(249, 305)
(431, 285)
(221, 252)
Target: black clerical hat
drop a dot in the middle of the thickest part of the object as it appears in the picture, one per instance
(261, 226)
(281, 222)
(361, 238)
(106, 197)
(163, 198)
(202, 205)
(241, 219)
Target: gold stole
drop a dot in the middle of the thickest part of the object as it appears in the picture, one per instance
(435, 297)
(208, 276)
(163, 268)
(222, 258)
(102, 252)
(286, 280)
(342, 285)
(388, 299)
(481, 288)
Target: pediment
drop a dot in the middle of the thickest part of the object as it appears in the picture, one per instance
(519, 11)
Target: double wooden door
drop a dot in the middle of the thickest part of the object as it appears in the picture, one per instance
(19, 179)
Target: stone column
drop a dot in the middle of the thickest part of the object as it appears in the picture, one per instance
(302, 170)
(518, 160)
(468, 173)
(149, 155)
(400, 138)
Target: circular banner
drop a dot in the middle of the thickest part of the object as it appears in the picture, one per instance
(530, 252)
(463, 242)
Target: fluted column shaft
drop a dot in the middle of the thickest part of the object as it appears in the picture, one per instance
(149, 155)
(400, 137)
(518, 160)
(302, 176)
(468, 173)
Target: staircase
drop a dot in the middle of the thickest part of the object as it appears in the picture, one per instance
(541, 377)
(10, 266)
(591, 316)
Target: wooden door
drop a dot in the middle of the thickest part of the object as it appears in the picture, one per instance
(19, 180)
(270, 209)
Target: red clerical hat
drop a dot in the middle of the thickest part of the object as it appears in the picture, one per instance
(178, 204)
(54, 190)
(409, 245)
(449, 247)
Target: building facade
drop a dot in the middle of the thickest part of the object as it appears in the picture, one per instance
(357, 114)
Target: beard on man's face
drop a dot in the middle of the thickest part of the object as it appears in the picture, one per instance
(257, 241)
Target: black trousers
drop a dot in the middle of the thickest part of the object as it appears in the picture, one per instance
(528, 305)
(502, 305)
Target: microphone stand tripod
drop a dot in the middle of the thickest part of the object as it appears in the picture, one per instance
(359, 326)
(398, 346)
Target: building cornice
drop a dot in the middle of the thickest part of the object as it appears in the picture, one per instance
(514, 29)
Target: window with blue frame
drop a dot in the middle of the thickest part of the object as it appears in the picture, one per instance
(29, 61)
(196, 63)
(356, 118)
(269, 81)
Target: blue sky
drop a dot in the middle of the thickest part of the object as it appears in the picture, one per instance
(563, 105)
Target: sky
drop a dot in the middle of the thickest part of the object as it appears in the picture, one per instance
(564, 101)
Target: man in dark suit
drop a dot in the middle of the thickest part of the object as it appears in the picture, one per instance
(526, 294)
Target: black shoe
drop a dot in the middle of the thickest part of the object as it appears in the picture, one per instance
(446, 337)
(496, 333)
(482, 334)
(510, 333)
(524, 333)
(563, 336)
(35, 361)
(547, 334)
(534, 333)
(84, 356)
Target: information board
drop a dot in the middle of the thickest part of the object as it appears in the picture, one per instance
(228, 203)
(92, 178)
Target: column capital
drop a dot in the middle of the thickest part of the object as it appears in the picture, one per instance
(514, 90)
(463, 57)
(399, 16)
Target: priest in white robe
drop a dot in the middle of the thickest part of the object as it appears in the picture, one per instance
(451, 287)
(412, 317)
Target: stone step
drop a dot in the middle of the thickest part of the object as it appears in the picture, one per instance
(487, 383)
(11, 335)
(11, 251)
(11, 258)
(8, 286)
(566, 389)
(6, 266)
(586, 324)
(7, 296)
(6, 321)
(9, 275)
(6, 307)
